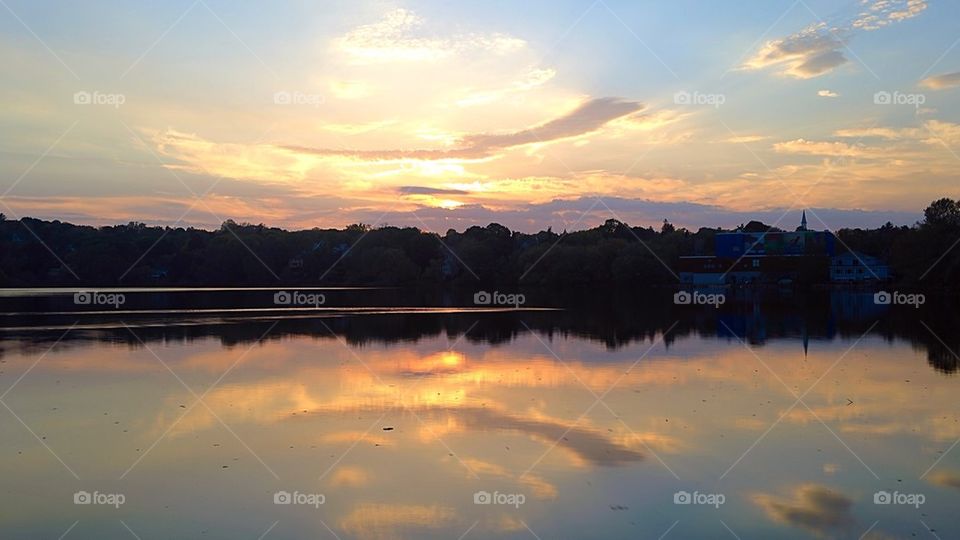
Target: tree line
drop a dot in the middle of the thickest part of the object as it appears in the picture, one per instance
(36, 253)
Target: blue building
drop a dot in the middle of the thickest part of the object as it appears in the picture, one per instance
(754, 257)
(853, 267)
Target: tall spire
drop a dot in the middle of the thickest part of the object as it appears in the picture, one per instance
(803, 221)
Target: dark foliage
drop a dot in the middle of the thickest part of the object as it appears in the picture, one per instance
(53, 253)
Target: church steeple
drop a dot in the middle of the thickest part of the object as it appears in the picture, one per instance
(803, 222)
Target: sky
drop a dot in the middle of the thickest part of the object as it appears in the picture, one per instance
(444, 115)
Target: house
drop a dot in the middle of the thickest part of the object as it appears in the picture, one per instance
(854, 266)
(761, 257)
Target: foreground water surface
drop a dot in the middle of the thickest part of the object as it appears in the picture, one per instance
(757, 420)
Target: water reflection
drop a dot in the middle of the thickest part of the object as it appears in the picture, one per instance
(597, 419)
(618, 321)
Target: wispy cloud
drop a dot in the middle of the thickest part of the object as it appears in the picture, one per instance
(588, 117)
(821, 148)
(940, 82)
(820, 48)
(400, 37)
(423, 190)
(531, 80)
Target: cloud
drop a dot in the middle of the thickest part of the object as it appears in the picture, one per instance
(827, 93)
(743, 139)
(399, 37)
(421, 190)
(945, 478)
(942, 133)
(818, 48)
(349, 476)
(588, 117)
(940, 82)
(872, 132)
(820, 148)
(882, 13)
(933, 132)
(812, 507)
(540, 488)
(813, 51)
(532, 79)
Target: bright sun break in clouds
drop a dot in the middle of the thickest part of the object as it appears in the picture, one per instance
(469, 119)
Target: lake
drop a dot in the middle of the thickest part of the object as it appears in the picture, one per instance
(388, 414)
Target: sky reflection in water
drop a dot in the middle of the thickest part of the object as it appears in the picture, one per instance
(399, 437)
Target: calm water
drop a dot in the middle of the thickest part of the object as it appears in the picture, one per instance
(774, 417)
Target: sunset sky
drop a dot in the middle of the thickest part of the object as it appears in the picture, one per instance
(444, 115)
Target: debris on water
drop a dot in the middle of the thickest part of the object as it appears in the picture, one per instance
(618, 507)
(388, 428)
(182, 406)
(224, 466)
(849, 402)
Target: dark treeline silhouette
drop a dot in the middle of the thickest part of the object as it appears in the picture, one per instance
(52, 253)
